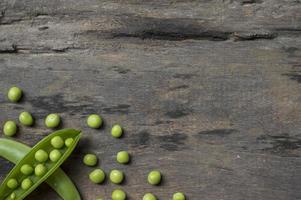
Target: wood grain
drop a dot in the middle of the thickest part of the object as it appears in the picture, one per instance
(207, 91)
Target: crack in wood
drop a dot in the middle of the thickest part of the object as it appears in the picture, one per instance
(294, 75)
(174, 36)
(246, 2)
(244, 36)
(217, 132)
(15, 49)
(280, 144)
(10, 50)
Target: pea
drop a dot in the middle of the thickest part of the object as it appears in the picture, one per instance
(26, 119)
(57, 142)
(99, 199)
(40, 170)
(116, 176)
(68, 142)
(94, 121)
(12, 196)
(123, 157)
(26, 169)
(41, 155)
(154, 177)
(10, 128)
(149, 196)
(97, 176)
(12, 183)
(90, 160)
(14, 94)
(178, 196)
(26, 184)
(55, 155)
(52, 120)
(116, 131)
(118, 195)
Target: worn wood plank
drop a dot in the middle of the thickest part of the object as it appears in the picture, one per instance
(208, 91)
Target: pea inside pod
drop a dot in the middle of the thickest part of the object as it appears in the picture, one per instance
(47, 168)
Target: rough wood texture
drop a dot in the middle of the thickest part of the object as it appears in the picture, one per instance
(209, 91)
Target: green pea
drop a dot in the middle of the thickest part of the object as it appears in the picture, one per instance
(41, 155)
(116, 176)
(26, 169)
(97, 176)
(12, 183)
(55, 155)
(90, 160)
(10, 128)
(12, 196)
(40, 170)
(154, 177)
(118, 195)
(99, 199)
(178, 196)
(57, 142)
(94, 121)
(149, 196)
(123, 157)
(52, 120)
(68, 142)
(26, 119)
(116, 131)
(26, 184)
(14, 94)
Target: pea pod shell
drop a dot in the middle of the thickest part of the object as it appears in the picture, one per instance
(29, 159)
(58, 181)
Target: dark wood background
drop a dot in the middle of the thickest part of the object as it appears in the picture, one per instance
(209, 92)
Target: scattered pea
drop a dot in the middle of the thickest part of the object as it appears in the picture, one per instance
(10, 128)
(40, 170)
(154, 177)
(52, 120)
(116, 131)
(68, 142)
(149, 196)
(116, 176)
(178, 196)
(12, 196)
(12, 183)
(41, 155)
(97, 176)
(55, 155)
(118, 195)
(123, 157)
(90, 160)
(94, 121)
(26, 184)
(26, 169)
(14, 94)
(26, 119)
(57, 142)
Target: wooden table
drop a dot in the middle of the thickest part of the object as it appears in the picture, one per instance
(208, 92)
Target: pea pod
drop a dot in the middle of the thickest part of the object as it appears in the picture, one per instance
(42, 170)
(14, 151)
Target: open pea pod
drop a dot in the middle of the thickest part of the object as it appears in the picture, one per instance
(7, 192)
(58, 181)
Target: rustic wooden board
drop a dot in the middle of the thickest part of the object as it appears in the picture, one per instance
(208, 91)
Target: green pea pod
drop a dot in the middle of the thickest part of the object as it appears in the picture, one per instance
(49, 167)
(14, 151)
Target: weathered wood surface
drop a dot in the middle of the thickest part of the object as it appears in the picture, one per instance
(208, 91)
